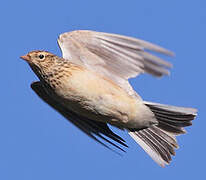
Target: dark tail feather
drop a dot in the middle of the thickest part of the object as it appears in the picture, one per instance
(159, 140)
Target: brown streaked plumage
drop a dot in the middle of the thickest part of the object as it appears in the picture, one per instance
(89, 86)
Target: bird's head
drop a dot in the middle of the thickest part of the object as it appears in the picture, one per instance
(43, 63)
(41, 59)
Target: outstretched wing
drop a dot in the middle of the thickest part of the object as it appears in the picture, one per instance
(91, 128)
(115, 56)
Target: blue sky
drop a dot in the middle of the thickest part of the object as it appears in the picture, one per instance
(38, 143)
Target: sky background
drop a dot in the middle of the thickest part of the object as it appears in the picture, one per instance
(38, 143)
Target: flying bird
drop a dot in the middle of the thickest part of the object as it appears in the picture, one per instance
(89, 86)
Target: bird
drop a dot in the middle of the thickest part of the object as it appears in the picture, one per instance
(89, 86)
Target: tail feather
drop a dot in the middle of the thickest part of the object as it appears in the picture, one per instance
(171, 118)
(159, 141)
(166, 144)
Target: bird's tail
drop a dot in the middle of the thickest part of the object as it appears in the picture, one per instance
(159, 141)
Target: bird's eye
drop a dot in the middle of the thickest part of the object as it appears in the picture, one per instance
(41, 56)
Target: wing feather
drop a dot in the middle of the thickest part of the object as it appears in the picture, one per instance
(115, 56)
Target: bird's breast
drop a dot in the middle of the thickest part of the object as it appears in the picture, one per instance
(96, 97)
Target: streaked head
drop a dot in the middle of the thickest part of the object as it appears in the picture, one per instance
(39, 58)
(42, 63)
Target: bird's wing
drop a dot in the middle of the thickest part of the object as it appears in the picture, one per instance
(119, 55)
(92, 128)
(115, 56)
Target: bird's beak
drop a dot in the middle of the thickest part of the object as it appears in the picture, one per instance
(25, 57)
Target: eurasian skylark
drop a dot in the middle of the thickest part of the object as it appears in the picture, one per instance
(89, 86)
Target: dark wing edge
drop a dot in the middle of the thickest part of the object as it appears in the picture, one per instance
(92, 128)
